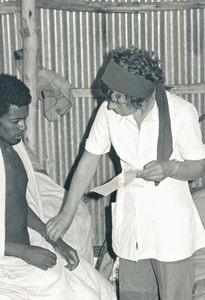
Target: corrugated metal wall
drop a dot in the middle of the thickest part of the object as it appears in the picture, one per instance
(73, 44)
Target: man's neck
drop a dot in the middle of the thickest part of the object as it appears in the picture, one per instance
(4, 143)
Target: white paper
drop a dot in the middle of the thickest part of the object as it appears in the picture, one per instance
(117, 182)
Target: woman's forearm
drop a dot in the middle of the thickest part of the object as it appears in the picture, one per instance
(58, 225)
(189, 169)
(80, 182)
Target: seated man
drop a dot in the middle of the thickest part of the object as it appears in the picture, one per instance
(30, 267)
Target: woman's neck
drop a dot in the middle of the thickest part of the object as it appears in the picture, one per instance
(144, 109)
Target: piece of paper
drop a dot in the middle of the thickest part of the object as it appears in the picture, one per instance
(117, 182)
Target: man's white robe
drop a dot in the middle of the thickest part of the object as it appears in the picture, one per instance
(19, 280)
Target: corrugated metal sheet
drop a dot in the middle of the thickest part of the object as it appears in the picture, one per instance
(73, 44)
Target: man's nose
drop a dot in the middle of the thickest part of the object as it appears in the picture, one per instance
(22, 125)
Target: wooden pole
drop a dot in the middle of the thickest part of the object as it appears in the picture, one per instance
(29, 76)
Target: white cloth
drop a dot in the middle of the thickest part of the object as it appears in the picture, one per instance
(21, 281)
(80, 234)
(148, 221)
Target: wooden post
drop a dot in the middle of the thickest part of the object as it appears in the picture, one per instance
(29, 76)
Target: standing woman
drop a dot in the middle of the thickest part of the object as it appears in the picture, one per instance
(156, 227)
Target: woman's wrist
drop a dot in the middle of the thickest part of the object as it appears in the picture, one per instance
(175, 167)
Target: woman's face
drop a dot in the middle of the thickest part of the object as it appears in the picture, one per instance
(119, 105)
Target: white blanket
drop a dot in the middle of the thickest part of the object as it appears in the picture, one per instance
(79, 235)
(51, 194)
(19, 280)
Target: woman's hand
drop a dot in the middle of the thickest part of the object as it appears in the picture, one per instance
(158, 170)
(57, 226)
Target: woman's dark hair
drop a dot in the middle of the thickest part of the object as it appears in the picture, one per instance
(138, 62)
(12, 91)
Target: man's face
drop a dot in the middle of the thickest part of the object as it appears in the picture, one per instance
(119, 105)
(12, 124)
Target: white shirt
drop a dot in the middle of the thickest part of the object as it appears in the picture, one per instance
(149, 221)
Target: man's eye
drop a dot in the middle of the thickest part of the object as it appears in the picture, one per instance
(15, 122)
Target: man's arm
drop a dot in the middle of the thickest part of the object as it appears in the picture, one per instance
(33, 255)
(87, 166)
(181, 170)
(35, 223)
(60, 246)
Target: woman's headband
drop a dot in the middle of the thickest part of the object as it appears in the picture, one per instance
(122, 81)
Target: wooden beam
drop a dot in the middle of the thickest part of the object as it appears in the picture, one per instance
(29, 74)
(104, 7)
(9, 7)
(89, 93)
(177, 89)
(189, 89)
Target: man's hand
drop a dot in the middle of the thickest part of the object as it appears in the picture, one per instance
(39, 257)
(157, 170)
(68, 253)
(57, 226)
